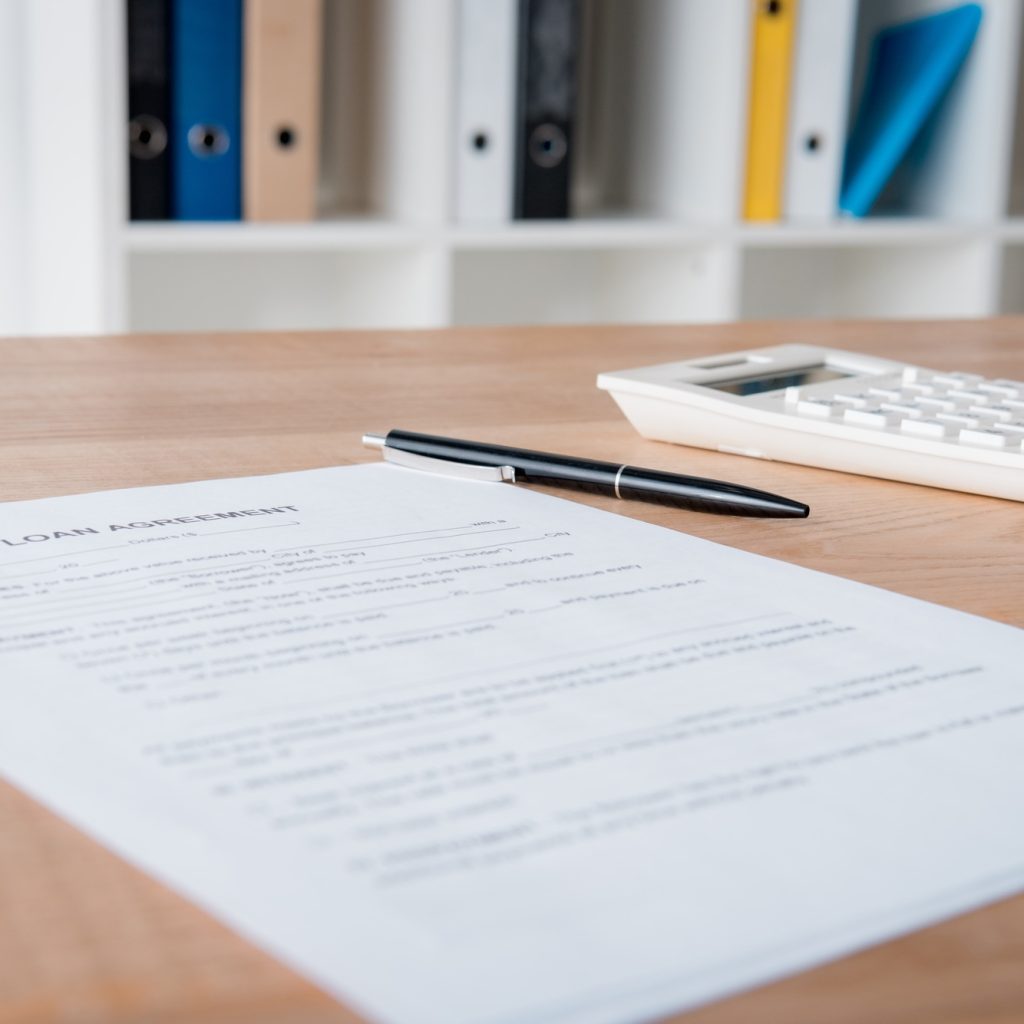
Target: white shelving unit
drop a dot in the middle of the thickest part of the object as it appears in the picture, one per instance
(664, 92)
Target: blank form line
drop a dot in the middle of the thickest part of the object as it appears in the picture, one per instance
(415, 540)
(64, 554)
(612, 737)
(453, 551)
(164, 600)
(37, 572)
(361, 738)
(384, 607)
(365, 739)
(444, 625)
(383, 536)
(767, 705)
(248, 529)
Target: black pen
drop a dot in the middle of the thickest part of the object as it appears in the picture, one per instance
(424, 451)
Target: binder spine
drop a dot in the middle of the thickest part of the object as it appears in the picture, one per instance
(546, 110)
(486, 102)
(281, 109)
(149, 108)
(821, 87)
(774, 22)
(206, 109)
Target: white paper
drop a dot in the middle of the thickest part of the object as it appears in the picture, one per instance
(461, 752)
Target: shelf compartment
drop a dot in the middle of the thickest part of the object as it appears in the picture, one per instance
(650, 142)
(612, 285)
(185, 291)
(937, 279)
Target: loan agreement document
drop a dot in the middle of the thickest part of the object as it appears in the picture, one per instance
(461, 752)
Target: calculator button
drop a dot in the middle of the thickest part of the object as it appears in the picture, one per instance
(957, 419)
(853, 401)
(890, 393)
(997, 412)
(918, 389)
(984, 437)
(903, 408)
(957, 379)
(926, 428)
(989, 412)
(870, 417)
(969, 396)
(1014, 403)
(822, 408)
(1010, 429)
(963, 399)
(934, 404)
(1001, 387)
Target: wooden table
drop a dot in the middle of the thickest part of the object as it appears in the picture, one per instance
(85, 938)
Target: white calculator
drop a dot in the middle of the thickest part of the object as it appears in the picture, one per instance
(838, 410)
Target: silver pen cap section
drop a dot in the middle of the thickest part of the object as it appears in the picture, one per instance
(448, 467)
(443, 467)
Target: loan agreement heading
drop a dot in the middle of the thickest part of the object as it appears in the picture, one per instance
(85, 531)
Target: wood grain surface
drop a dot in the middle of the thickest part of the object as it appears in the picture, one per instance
(85, 938)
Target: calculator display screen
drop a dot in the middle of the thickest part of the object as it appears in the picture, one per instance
(777, 381)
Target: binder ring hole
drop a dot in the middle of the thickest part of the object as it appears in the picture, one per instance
(812, 143)
(480, 141)
(207, 140)
(547, 145)
(147, 137)
(285, 138)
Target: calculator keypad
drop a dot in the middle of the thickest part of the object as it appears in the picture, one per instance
(926, 428)
(957, 408)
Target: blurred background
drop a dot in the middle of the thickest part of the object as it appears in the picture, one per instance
(176, 165)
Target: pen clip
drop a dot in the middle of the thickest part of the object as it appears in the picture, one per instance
(447, 467)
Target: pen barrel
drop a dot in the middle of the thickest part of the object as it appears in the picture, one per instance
(705, 495)
(610, 478)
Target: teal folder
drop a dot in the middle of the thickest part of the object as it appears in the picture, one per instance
(910, 70)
